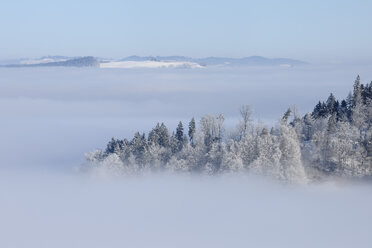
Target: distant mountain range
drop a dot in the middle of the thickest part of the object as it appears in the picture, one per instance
(152, 62)
(251, 61)
(58, 61)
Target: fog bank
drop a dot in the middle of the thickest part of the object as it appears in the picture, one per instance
(52, 116)
(47, 209)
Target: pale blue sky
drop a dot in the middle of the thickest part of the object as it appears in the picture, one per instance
(308, 30)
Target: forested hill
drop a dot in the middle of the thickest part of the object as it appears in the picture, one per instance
(339, 133)
(88, 61)
(335, 139)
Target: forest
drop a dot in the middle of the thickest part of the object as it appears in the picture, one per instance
(335, 139)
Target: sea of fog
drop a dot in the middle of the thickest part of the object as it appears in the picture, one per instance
(50, 117)
(43, 210)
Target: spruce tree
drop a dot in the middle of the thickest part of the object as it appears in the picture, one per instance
(163, 136)
(323, 110)
(317, 109)
(286, 116)
(179, 132)
(357, 93)
(308, 122)
(331, 102)
(110, 146)
(154, 135)
(192, 130)
(343, 112)
(179, 136)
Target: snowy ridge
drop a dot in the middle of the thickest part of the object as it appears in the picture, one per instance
(43, 60)
(153, 62)
(88, 61)
(223, 61)
(149, 64)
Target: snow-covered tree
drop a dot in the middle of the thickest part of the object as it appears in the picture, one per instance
(335, 139)
(192, 130)
(246, 114)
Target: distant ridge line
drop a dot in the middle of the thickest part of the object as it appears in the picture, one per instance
(90, 61)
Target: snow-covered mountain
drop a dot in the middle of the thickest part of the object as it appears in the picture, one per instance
(152, 62)
(188, 62)
(250, 61)
(88, 61)
(43, 60)
(213, 61)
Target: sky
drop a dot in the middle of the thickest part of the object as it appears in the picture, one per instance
(333, 31)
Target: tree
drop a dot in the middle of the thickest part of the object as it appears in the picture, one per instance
(358, 108)
(174, 143)
(335, 139)
(343, 113)
(219, 128)
(332, 122)
(286, 115)
(212, 129)
(192, 130)
(232, 159)
(357, 93)
(290, 160)
(179, 132)
(317, 109)
(267, 155)
(111, 146)
(138, 147)
(163, 136)
(207, 126)
(246, 113)
(307, 127)
(180, 136)
(323, 110)
(154, 135)
(331, 104)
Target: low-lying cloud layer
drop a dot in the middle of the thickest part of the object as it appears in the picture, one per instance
(61, 210)
(54, 115)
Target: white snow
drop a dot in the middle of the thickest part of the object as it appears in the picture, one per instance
(149, 64)
(285, 65)
(40, 61)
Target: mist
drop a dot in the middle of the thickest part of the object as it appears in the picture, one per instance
(52, 116)
(72, 210)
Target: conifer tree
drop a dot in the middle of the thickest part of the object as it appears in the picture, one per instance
(179, 136)
(286, 116)
(163, 136)
(331, 104)
(317, 109)
(343, 112)
(192, 130)
(179, 132)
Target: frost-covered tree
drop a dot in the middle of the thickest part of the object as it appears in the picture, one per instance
(268, 156)
(291, 162)
(232, 159)
(335, 139)
(192, 131)
(180, 137)
(246, 113)
(286, 115)
(332, 104)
